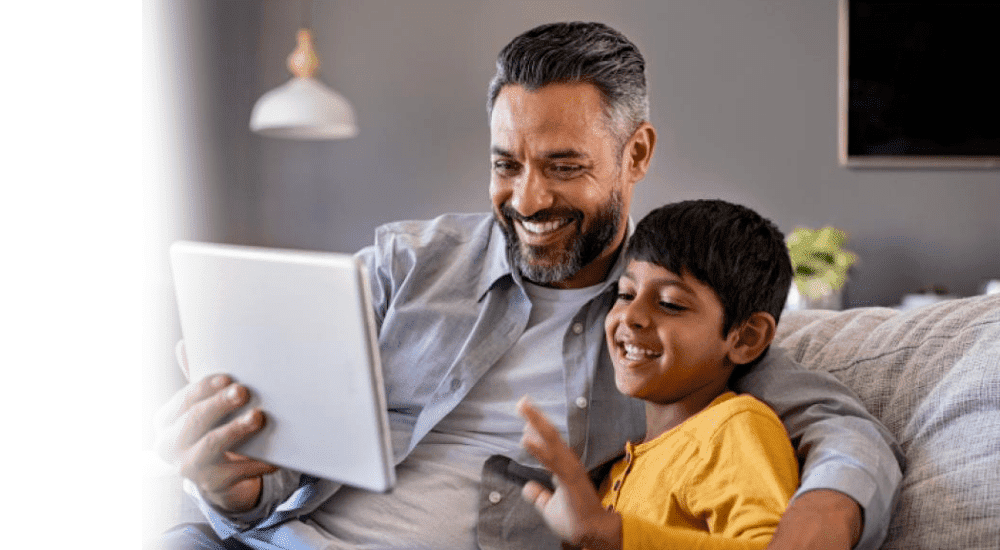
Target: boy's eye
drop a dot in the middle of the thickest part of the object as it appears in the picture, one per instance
(624, 296)
(670, 306)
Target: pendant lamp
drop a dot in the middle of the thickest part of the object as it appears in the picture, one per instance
(303, 108)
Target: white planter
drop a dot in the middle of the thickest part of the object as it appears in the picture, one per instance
(828, 299)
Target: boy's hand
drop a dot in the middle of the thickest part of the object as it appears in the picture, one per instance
(574, 510)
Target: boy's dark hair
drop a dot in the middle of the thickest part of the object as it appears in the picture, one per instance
(735, 251)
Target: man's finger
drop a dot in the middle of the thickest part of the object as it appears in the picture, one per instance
(200, 460)
(173, 419)
(206, 414)
(202, 417)
(228, 474)
(190, 394)
(209, 451)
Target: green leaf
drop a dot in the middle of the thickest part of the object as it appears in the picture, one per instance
(819, 261)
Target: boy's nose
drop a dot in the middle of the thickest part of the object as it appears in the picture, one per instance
(635, 314)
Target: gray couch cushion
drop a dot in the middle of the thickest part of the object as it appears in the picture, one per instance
(932, 376)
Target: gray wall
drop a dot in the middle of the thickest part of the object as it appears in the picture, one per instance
(743, 95)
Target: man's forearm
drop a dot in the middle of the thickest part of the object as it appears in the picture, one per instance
(842, 446)
(820, 519)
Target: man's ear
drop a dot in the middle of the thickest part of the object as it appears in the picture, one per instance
(752, 338)
(639, 151)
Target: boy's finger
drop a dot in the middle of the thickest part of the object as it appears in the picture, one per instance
(542, 440)
(536, 447)
(539, 438)
(537, 420)
(536, 494)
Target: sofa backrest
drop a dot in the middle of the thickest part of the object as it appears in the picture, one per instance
(932, 376)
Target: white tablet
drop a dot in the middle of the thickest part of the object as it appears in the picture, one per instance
(297, 329)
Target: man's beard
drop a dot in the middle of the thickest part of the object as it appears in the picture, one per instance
(557, 262)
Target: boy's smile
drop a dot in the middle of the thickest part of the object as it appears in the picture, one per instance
(665, 337)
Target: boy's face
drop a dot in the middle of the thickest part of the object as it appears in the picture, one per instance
(665, 336)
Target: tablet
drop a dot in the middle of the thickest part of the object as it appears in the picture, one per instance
(297, 329)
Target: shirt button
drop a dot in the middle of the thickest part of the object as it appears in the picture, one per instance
(618, 484)
(495, 497)
(577, 328)
(581, 402)
(455, 383)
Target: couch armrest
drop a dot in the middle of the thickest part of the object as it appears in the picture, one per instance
(932, 376)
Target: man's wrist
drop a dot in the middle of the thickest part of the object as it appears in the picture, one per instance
(841, 509)
(239, 498)
(821, 518)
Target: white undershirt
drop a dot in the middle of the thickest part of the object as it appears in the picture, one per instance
(434, 503)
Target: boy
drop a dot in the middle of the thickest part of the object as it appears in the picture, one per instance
(701, 295)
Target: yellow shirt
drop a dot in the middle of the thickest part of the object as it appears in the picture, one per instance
(721, 479)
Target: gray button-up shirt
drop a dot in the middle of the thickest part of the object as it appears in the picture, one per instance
(448, 306)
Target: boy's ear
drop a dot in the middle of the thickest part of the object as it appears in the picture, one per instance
(752, 337)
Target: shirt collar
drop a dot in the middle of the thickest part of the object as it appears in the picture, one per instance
(496, 265)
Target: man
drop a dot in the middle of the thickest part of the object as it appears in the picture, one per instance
(476, 310)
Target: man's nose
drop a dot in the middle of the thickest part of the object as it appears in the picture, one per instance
(532, 193)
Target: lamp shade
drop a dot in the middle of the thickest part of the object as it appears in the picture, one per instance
(303, 108)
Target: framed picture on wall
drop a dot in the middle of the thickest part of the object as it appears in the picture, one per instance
(918, 84)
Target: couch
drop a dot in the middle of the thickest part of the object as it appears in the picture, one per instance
(932, 376)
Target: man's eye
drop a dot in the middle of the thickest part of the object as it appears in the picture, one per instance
(624, 297)
(670, 306)
(504, 167)
(566, 170)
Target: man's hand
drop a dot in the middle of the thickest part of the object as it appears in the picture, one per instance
(188, 438)
(819, 520)
(574, 510)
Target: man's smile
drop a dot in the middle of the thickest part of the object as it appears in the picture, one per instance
(542, 233)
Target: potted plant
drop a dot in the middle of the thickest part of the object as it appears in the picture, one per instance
(820, 264)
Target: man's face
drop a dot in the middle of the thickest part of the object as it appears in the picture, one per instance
(557, 184)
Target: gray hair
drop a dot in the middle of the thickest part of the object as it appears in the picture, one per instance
(579, 52)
